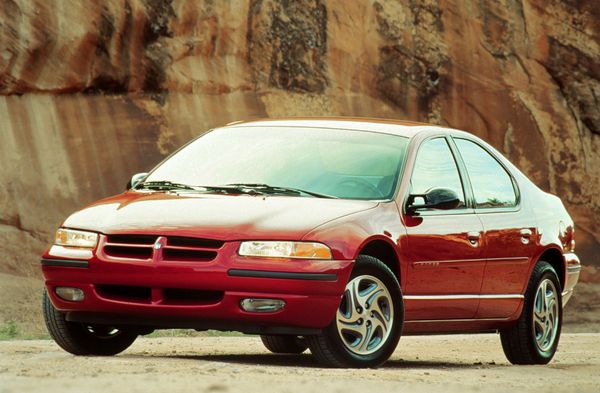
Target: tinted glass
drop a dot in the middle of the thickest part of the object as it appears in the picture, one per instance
(341, 163)
(435, 168)
(492, 185)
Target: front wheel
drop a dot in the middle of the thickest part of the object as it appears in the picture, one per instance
(368, 322)
(84, 339)
(534, 339)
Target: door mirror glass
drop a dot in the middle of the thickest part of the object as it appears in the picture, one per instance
(136, 179)
(436, 198)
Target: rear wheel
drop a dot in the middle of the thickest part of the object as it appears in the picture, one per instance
(368, 322)
(85, 339)
(284, 344)
(534, 339)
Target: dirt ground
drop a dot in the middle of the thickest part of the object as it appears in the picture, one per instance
(229, 364)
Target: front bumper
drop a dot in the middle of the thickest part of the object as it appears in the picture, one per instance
(311, 289)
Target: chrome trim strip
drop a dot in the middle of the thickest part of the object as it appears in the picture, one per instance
(448, 261)
(470, 260)
(508, 259)
(462, 297)
(457, 320)
(574, 269)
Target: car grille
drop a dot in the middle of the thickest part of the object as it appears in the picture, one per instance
(173, 248)
(170, 296)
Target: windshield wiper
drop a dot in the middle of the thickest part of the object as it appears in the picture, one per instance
(265, 188)
(167, 185)
(241, 188)
(229, 189)
(163, 185)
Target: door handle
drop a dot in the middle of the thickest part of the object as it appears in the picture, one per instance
(473, 237)
(526, 234)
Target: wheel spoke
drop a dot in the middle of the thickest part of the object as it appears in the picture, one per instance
(380, 314)
(551, 307)
(548, 297)
(538, 314)
(362, 296)
(538, 304)
(545, 315)
(366, 338)
(379, 321)
(352, 320)
(543, 298)
(349, 314)
(544, 337)
(358, 333)
(355, 296)
(538, 319)
(373, 297)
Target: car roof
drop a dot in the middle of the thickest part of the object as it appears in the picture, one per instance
(386, 126)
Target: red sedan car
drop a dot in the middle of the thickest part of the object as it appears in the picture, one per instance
(337, 235)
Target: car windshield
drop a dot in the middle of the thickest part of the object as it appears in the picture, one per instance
(332, 162)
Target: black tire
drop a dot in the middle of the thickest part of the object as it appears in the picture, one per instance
(329, 348)
(519, 342)
(284, 344)
(80, 339)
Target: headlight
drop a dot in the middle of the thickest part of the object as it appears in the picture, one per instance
(274, 249)
(72, 238)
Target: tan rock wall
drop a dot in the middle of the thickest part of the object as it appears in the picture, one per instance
(91, 92)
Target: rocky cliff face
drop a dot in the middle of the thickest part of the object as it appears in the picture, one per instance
(91, 92)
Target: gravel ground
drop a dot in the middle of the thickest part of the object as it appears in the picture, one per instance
(229, 364)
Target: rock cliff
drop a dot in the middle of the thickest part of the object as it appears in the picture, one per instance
(91, 92)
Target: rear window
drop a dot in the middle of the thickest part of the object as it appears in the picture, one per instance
(492, 185)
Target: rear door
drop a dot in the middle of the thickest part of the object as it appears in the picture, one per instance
(444, 247)
(510, 232)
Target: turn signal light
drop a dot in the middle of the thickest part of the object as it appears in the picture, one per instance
(70, 294)
(262, 305)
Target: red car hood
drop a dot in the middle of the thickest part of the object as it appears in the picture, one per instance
(223, 217)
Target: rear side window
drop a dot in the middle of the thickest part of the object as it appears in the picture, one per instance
(492, 185)
(435, 168)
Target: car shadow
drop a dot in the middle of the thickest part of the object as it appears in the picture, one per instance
(307, 361)
(427, 364)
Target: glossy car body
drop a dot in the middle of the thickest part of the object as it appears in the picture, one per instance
(460, 271)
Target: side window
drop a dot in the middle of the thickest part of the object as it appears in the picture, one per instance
(435, 168)
(492, 185)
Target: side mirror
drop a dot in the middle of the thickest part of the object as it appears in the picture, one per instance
(135, 179)
(435, 198)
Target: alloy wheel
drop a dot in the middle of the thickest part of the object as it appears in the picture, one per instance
(366, 314)
(545, 315)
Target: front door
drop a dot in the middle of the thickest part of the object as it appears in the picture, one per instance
(443, 248)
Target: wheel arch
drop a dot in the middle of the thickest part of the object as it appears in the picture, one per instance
(384, 250)
(554, 257)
